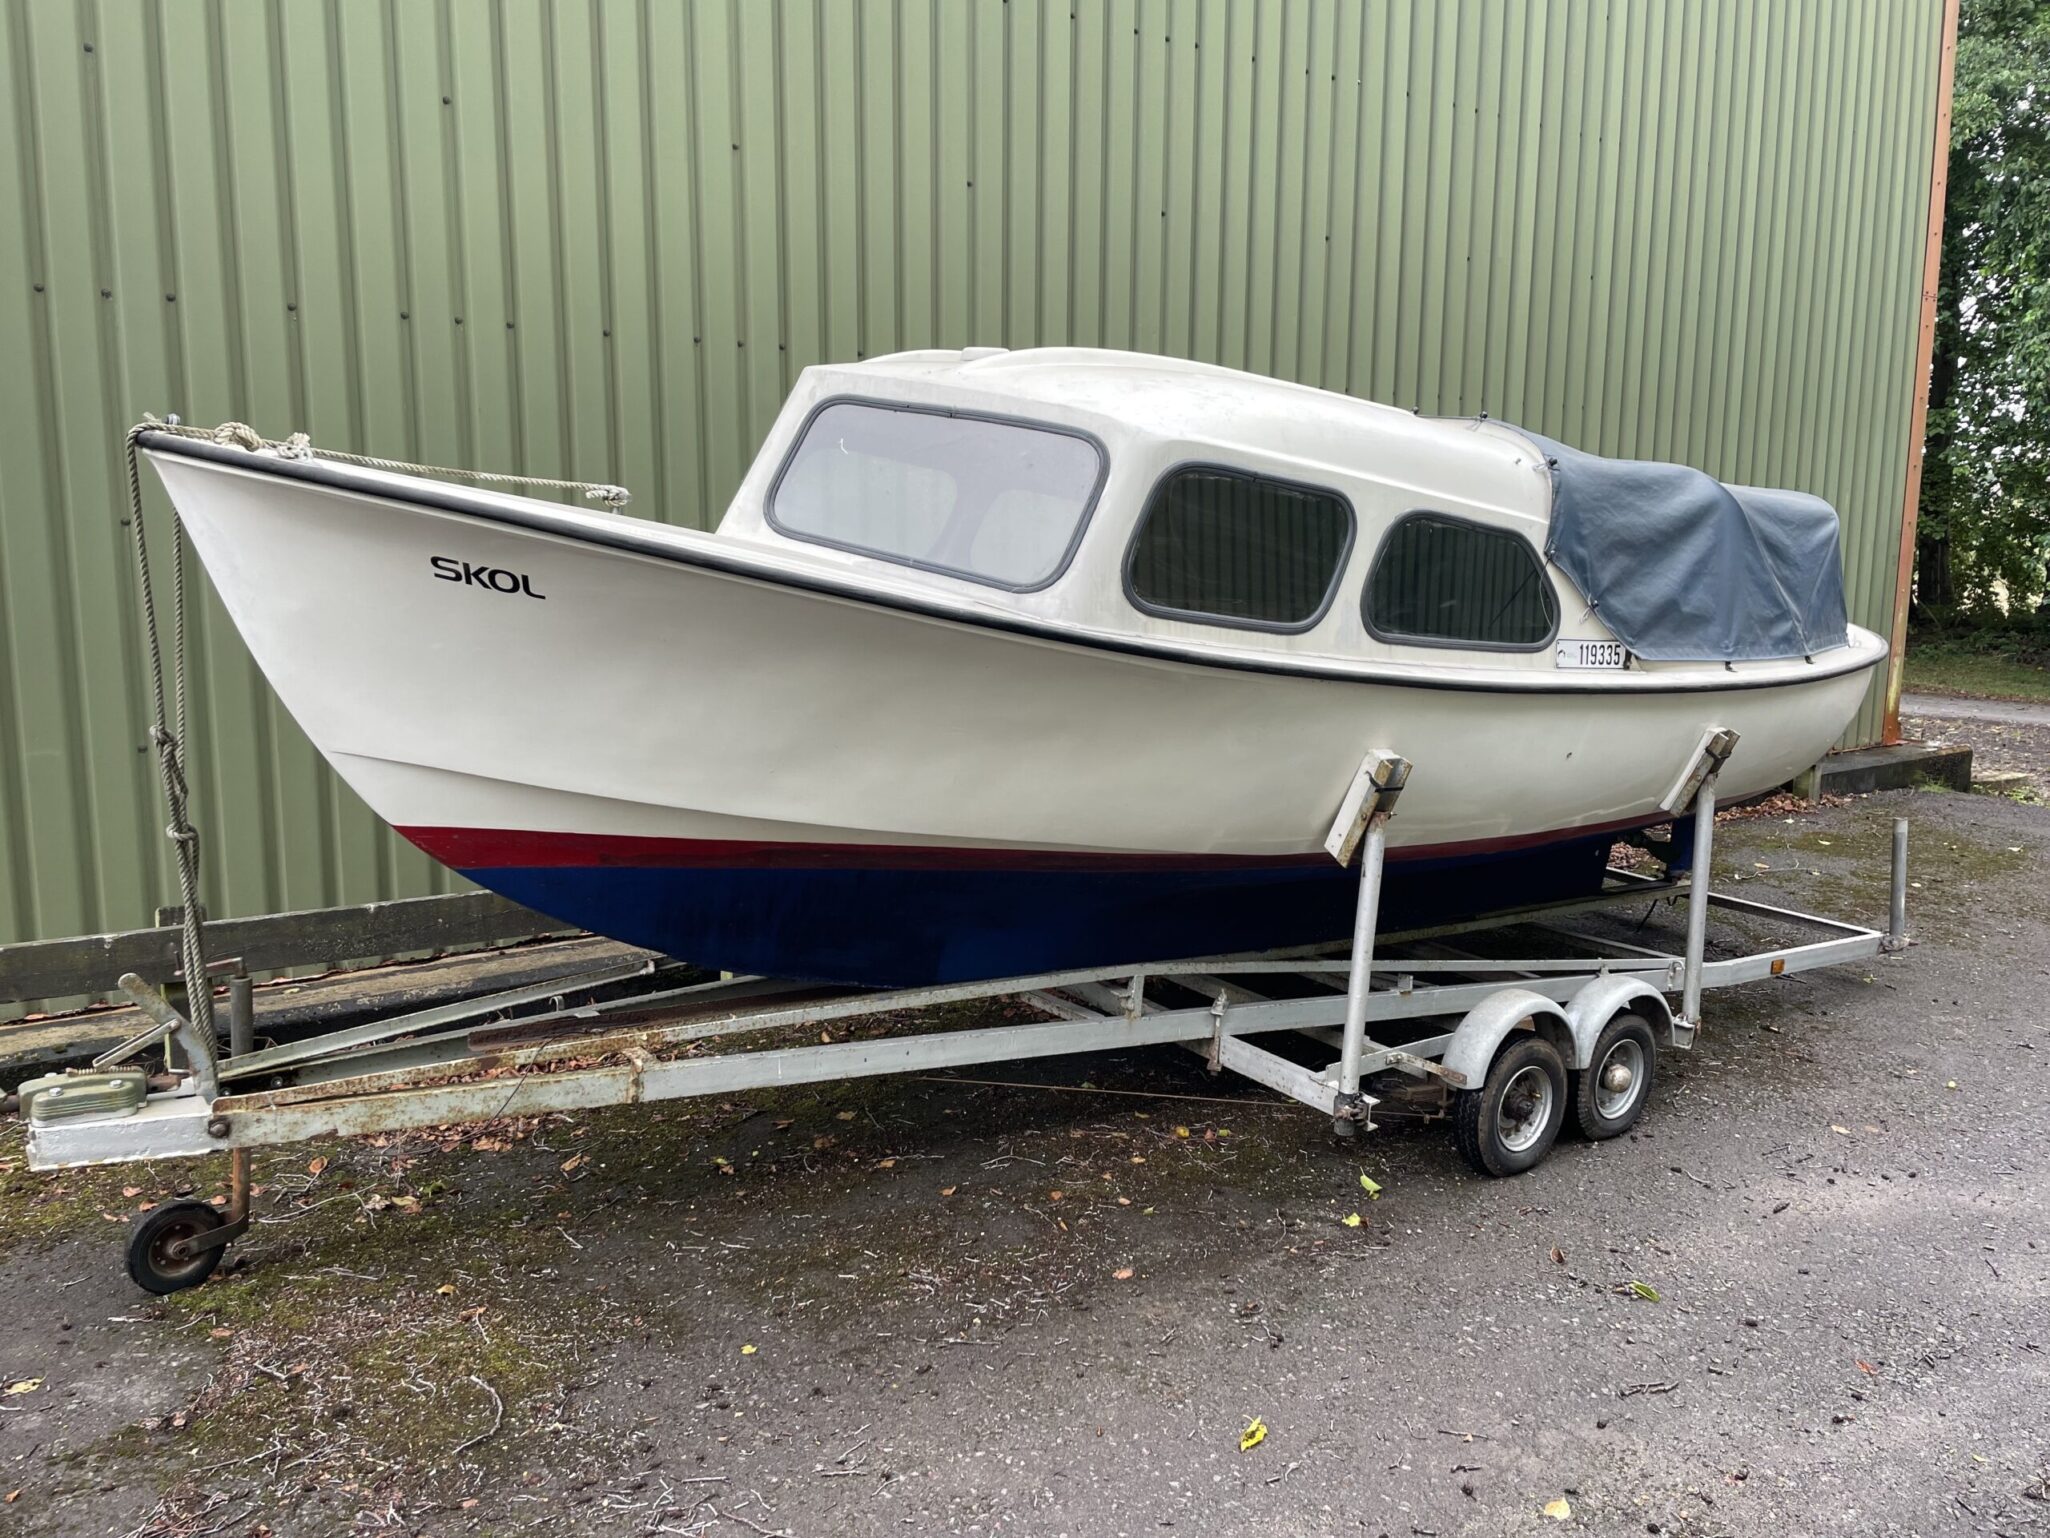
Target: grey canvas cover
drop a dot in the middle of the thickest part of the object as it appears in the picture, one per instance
(1685, 569)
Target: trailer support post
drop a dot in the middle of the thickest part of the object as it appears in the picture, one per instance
(1697, 784)
(1697, 900)
(1362, 824)
(241, 1013)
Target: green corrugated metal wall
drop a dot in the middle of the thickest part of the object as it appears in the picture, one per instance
(600, 239)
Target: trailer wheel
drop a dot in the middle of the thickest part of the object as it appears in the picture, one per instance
(152, 1261)
(1510, 1123)
(1609, 1094)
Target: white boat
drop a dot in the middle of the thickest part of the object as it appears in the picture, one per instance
(1001, 662)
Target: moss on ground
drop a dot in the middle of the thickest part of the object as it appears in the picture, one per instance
(39, 1208)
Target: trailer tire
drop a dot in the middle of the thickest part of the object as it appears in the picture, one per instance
(1510, 1123)
(153, 1267)
(1625, 1053)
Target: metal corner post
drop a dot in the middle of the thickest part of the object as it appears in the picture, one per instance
(1925, 348)
(1897, 906)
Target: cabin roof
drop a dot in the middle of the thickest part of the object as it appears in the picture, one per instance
(1204, 403)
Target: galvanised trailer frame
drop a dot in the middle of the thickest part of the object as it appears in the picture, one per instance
(1524, 1037)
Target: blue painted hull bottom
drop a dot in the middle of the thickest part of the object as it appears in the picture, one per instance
(880, 927)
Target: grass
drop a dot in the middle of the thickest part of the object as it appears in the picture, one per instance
(1971, 667)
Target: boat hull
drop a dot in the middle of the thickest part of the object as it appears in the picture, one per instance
(749, 770)
(897, 918)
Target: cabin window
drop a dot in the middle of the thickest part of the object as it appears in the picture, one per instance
(1442, 581)
(994, 501)
(1231, 548)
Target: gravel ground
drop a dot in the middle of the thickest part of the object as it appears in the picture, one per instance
(915, 1307)
(2020, 746)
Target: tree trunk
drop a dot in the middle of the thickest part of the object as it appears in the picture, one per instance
(1935, 591)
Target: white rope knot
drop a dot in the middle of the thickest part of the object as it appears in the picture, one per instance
(611, 496)
(298, 446)
(240, 434)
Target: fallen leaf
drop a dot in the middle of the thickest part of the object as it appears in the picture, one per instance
(1867, 1367)
(747, 1350)
(131, 1191)
(575, 1161)
(447, 1289)
(1352, 1220)
(1122, 1274)
(1124, 1201)
(1053, 1196)
(1182, 1132)
(948, 1190)
(315, 1166)
(11, 1497)
(24, 1385)
(1254, 1434)
(1371, 1186)
(220, 1332)
(1646, 1291)
(1558, 1510)
(844, 1116)
(1558, 1256)
(886, 1164)
(1840, 1131)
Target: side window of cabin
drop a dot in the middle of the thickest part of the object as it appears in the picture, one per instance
(1443, 581)
(1237, 549)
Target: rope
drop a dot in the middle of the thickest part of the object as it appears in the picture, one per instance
(298, 446)
(167, 731)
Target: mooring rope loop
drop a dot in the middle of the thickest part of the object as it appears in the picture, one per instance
(299, 446)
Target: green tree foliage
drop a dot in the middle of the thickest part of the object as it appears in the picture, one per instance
(1983, 530)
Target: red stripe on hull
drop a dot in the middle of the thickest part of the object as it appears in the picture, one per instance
(503, 848)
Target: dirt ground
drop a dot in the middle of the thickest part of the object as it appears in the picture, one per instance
(1809, 1295)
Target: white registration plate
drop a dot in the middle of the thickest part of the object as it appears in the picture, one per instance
(1592, 654)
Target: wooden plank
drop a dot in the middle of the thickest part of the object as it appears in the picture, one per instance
(91, 964)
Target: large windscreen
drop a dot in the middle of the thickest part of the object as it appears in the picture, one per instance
(998, 502)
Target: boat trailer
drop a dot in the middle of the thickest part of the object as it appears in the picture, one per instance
(1505, 1048)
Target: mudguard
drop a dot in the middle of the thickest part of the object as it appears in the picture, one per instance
(1606, 997)
(1480, 1034)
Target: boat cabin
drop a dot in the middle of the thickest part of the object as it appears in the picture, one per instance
(1131, 495)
